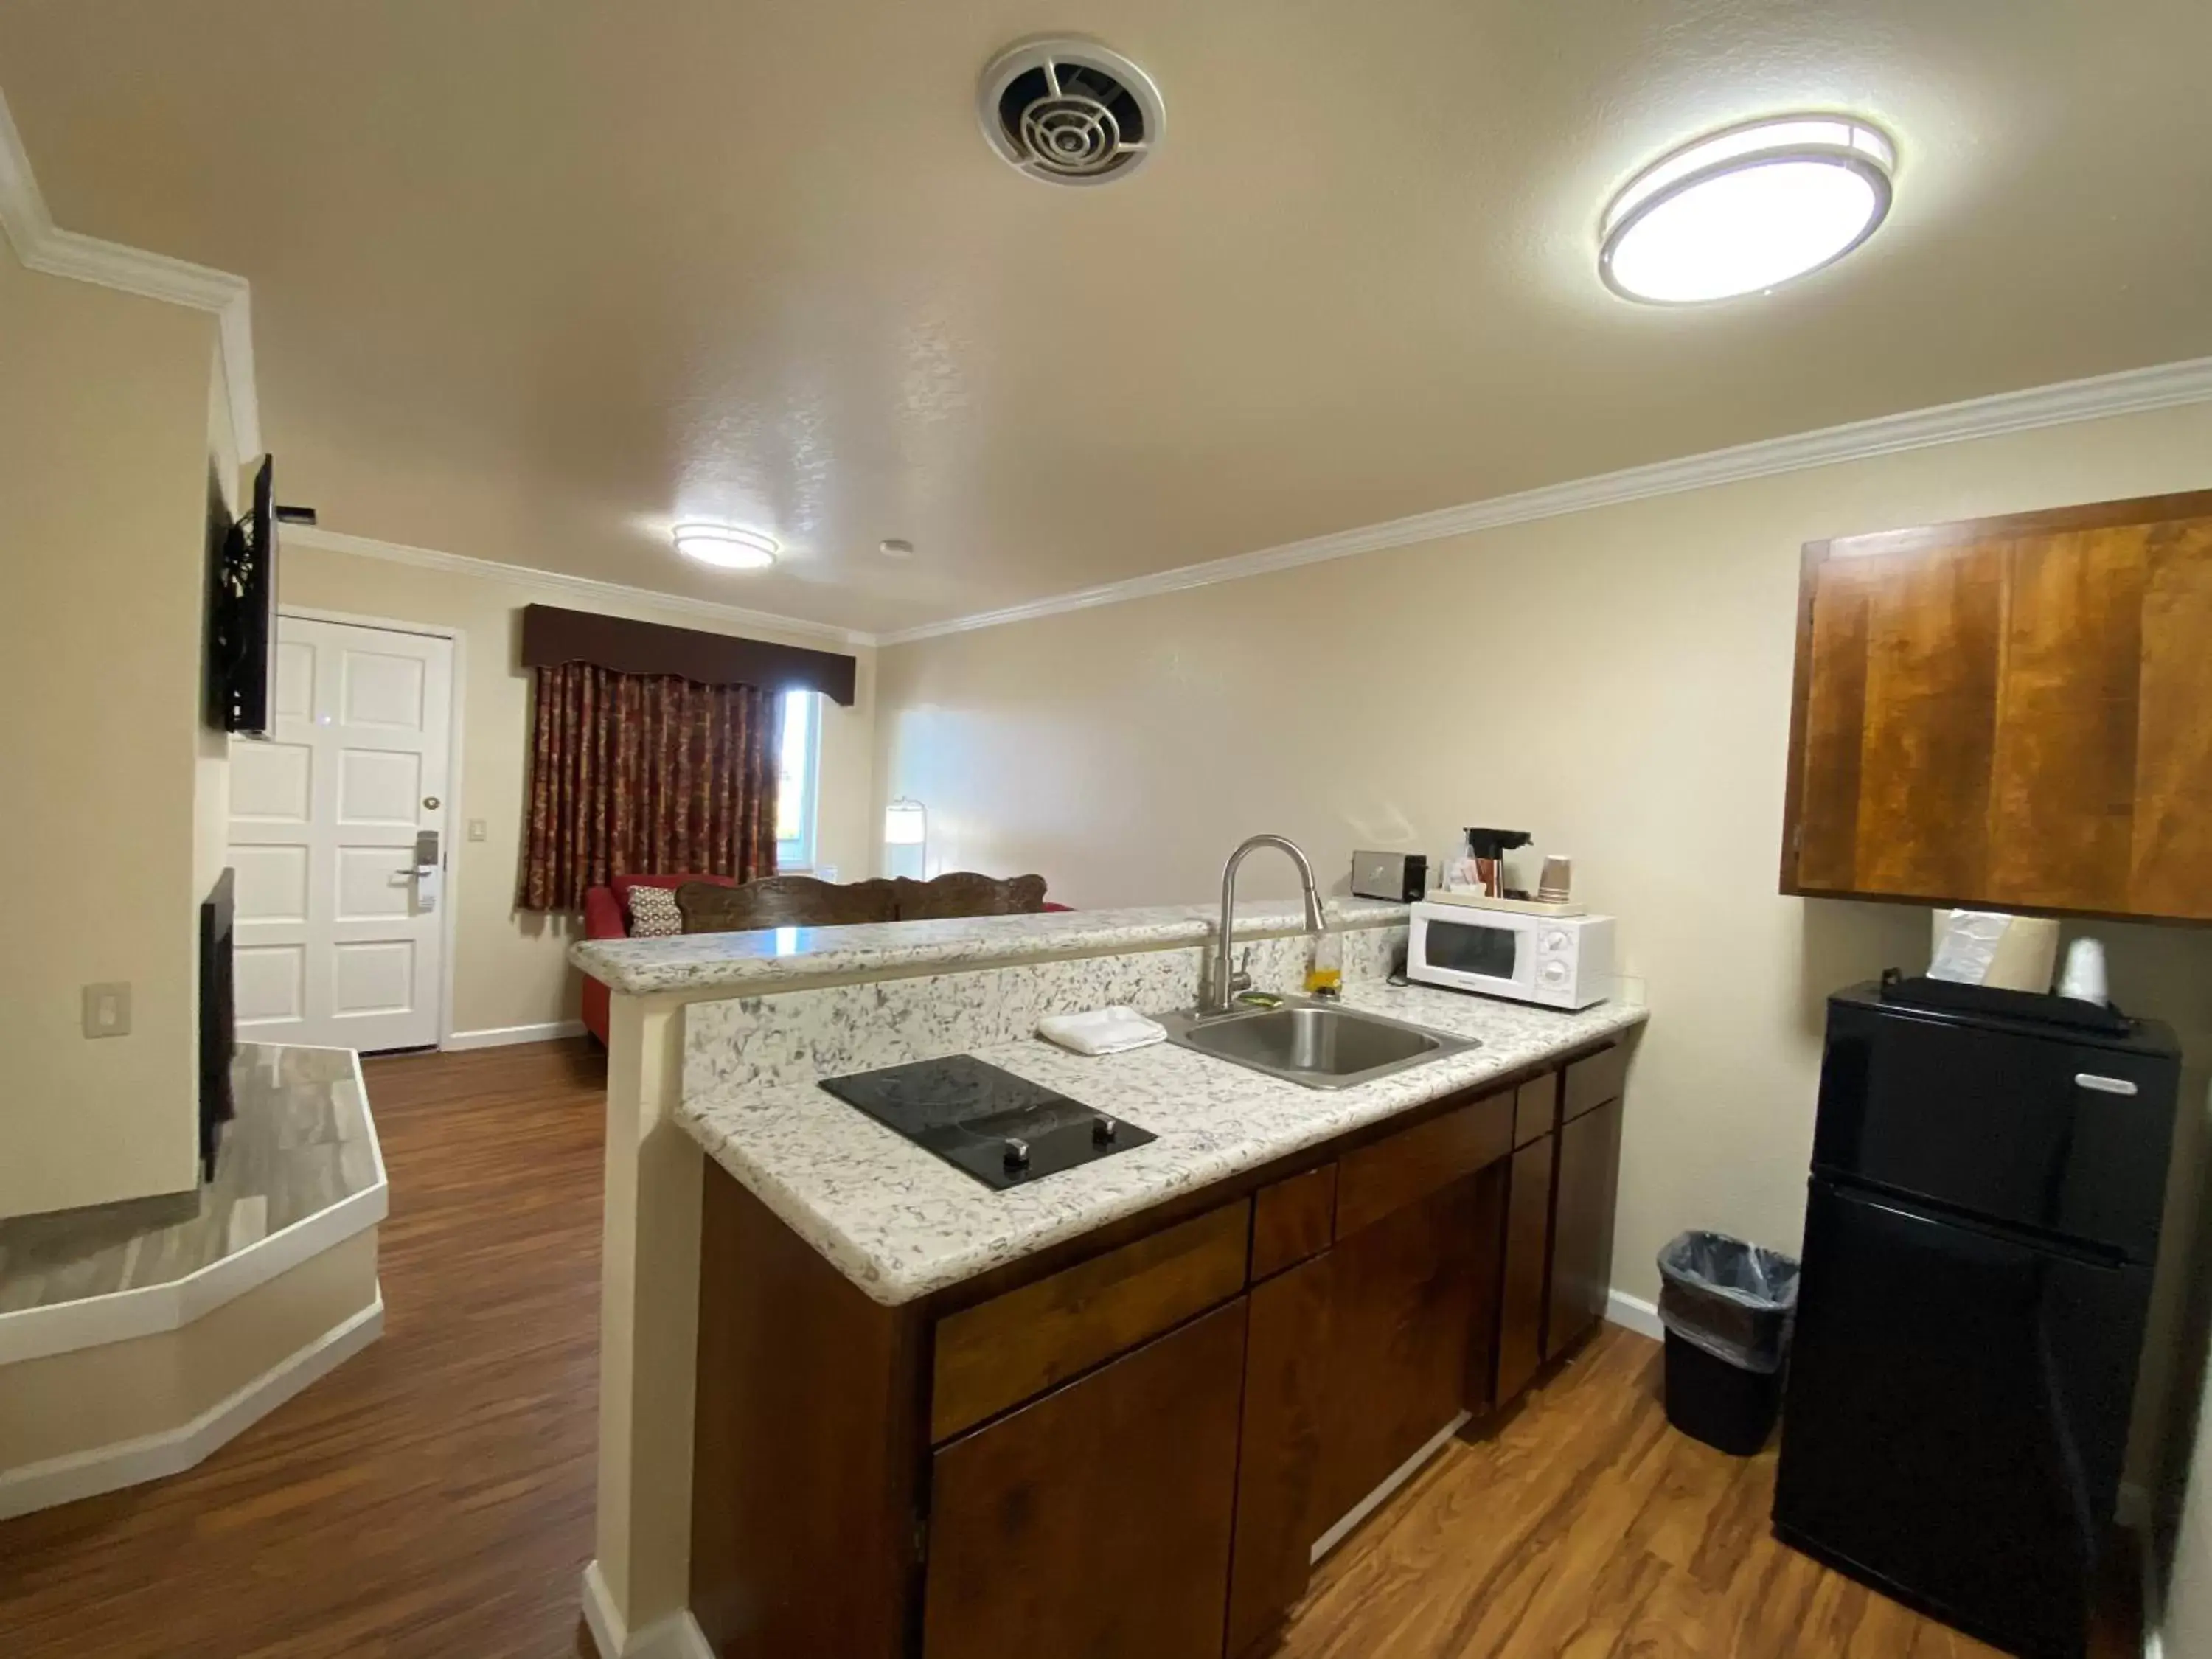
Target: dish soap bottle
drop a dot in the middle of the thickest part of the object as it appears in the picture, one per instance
(1325, 978)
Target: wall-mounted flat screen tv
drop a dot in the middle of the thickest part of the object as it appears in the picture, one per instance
(242, 619)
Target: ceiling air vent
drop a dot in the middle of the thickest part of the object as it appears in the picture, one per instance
(1070, 112)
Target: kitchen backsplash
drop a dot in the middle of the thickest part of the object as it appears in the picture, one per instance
(829, 1032)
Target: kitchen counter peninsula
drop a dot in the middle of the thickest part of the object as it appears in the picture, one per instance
(1190, 1360)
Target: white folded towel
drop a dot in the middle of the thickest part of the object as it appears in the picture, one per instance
(1102, 1031)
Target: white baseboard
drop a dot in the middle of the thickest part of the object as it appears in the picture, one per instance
(498, 1036)
(1633, 1313)
(152, 1457)
(1397, 1478)
(601, 1617)
(2154, 1599)
(675, 1637)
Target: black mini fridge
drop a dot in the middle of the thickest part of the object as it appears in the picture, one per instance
(1987, 1183)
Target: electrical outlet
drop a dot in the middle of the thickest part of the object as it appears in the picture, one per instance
(476, 830)
(108, 1010)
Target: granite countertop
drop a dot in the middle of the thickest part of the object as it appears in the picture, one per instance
(754, 961)
(900, 1223)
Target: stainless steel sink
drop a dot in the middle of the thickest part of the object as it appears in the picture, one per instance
(1319, 1044)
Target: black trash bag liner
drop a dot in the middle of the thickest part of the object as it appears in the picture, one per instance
(1734, 1300)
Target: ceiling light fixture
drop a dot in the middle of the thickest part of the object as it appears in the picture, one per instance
(726, 547)
(1747, 209)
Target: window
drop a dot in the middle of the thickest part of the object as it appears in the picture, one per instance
(799, 750)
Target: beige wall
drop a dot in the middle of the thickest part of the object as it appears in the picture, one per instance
(104, 453)
(211, 768)
(510, 968)
(1617, 681)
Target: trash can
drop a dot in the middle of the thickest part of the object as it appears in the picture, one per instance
(1728, 1307)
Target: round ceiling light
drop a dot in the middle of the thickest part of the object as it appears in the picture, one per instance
(1747, 209)
(725, 546)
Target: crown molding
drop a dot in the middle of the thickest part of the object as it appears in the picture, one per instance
(43, 245)
(2166, 386)
(582, 587)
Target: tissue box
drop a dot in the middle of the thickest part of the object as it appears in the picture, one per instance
(1988, 947)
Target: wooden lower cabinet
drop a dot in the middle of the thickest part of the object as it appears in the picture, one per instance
(1094, 1521)
(1357, 1360)
(1288, 1414)
(1582, 1243)
(1526, 1282)
(1405, 1309)
(1478, 1392)
(1129, 1453)
(1015, 1346)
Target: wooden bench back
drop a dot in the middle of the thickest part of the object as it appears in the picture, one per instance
(803, 901)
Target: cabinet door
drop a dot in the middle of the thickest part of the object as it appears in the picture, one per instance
(1406, 1300)
(1287, 1422)
(1528, 1263)
(2009, 713)
(1094, 1521)
(1581, 1226)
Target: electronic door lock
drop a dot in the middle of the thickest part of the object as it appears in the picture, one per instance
(428, 869)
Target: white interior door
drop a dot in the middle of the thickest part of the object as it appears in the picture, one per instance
(340, 927)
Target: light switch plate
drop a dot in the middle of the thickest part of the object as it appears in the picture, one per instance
(108, 1010)
(476, 829)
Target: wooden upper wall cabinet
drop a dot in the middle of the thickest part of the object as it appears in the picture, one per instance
(2010, 714)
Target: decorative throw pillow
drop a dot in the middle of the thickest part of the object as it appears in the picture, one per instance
(652, 912)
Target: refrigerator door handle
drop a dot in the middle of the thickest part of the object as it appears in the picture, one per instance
(2103, 1085)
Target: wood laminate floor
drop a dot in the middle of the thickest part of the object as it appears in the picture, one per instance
(1586, 1526)
(433, 1497)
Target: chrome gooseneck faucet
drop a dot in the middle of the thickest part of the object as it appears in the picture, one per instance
(1220, 994)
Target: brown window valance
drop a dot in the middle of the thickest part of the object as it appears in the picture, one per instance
(552, 636)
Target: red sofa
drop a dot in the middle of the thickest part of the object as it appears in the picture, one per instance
(606, 915)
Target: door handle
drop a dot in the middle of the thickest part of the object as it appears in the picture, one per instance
(2103, 1085)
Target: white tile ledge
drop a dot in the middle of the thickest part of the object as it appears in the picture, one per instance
(758, 961)
(121, 1315)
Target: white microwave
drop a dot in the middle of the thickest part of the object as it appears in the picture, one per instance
(1559, 962)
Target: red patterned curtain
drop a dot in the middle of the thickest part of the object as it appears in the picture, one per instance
(645, 774)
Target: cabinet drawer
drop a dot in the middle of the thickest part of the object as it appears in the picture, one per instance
(1293, 1220)
(1536, 1108)
(1594, 1079)
(1388, 1175)
(1000, 1352)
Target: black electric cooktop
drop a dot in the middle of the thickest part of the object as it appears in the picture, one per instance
(1004, 1130)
